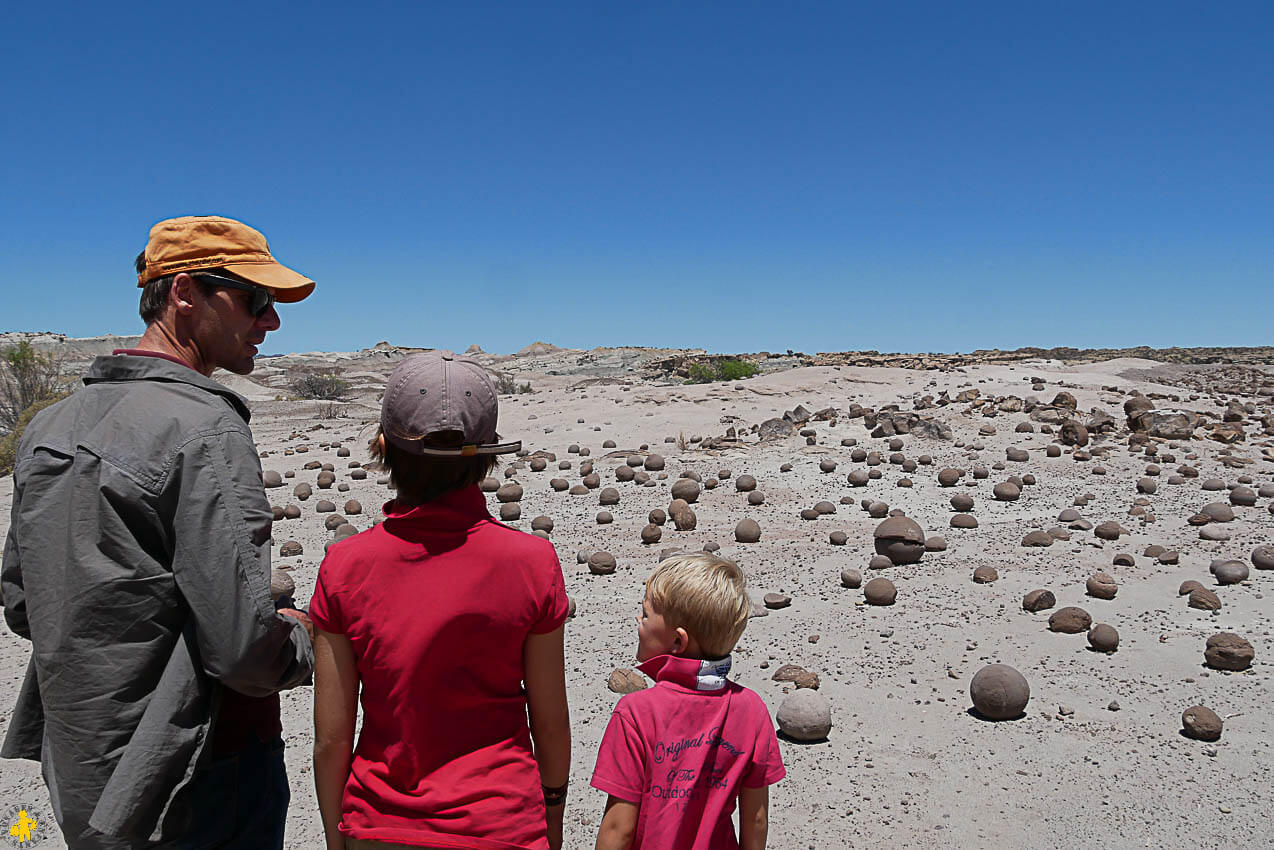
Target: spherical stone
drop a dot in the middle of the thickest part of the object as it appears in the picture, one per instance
(657, 517)
(358, 474)
(604, 518)
(827, 465)
(825, 508)
(601, 563)
(877, 510)
(1214, 532)
(745, 484)
(624, 681)
(838, 538)
(291, 512)
(684, 519)
(809, 514)
(985, 575)
(1006, 491)
(747, 531)
(964, 521)
(270, 478)
(560, 485)
(981, 472)
(608, 444)
(511, 492)
(1230, 572)
(850, 577)
(333, 522)
(624, 473)
(290, 549)
(999, 692)
(578, 490)
(901, 539)
(510, 511)
(1147, 485)
(1263, 557)
(1203, 599)
(1108, 530)
(276, 512)
(538, 464)
(353, 507)
(564, 465)
(724, 475)
(1016, 455)
(489, 484)
(1035, 539)
(1201, 723)
(635, 460)
(1101, 586)
(1053, 451)
(756, 497)
(324, 506)
(1069, 620)
(542, 523)
(775, 601)
(1103, 638)
(281, 585)
(949, 477)
(1038, 600)
(302, 491)
(1213, 484)
(880, 591)
(935, 543)
(805, 715)
(962, 502)
(342, 531)
(858, 478)
(1243, 497)
(686, 489)
(1123, 559)
(1187, 586)
(1024, 428)
(591, 481)
(1218, 512)
(325, 480)
(879, 562)
(654, 463)
(608, 496)
(1228, 651)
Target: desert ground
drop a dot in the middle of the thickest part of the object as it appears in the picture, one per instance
(1098, 758)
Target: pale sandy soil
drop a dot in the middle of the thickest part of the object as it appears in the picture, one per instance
(906, 764)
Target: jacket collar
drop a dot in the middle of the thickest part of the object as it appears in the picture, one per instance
(131, 367)
(693, 673)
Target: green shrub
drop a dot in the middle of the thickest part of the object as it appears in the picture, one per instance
(325, 387)
(26, 377)
(722, 370)
(701, 373)
(9, 443)
(734, 370)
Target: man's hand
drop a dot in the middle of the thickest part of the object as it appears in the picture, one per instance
(301, 618)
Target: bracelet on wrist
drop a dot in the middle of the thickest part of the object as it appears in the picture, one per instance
(555, 796)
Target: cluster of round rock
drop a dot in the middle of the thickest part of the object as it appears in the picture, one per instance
(303, 491)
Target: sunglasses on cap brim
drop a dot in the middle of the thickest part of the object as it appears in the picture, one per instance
(262, 298)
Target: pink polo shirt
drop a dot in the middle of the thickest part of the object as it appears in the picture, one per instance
(682, 751)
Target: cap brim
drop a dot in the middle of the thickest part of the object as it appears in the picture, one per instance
(288, 286)
(415, 447)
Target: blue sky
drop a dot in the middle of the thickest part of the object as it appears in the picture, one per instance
(734, 176)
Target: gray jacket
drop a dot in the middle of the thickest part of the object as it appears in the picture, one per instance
(137, 562)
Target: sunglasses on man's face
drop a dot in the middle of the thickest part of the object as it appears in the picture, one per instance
(262, 299)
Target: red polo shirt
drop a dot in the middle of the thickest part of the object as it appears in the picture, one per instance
(438, 601)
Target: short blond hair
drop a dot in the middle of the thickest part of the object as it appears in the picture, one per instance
(705, 595)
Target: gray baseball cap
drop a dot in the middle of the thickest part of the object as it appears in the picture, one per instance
(439, 391)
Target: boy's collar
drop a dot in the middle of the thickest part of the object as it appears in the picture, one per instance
(694, 673)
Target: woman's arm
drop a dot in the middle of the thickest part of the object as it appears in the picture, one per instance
(544, 666)
(754, 826)
(335, 711)
(619, 824)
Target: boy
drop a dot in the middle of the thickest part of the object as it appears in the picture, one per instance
(677, 756)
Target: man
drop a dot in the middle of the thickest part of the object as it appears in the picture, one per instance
(138, 560)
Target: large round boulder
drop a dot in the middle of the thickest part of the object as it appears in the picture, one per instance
(901, 539)
(999, 692)
(805, 715)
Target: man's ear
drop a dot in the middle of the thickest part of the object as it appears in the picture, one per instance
(182, 294)
(380, 443)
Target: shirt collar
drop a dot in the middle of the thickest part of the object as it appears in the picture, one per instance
(455, 508)
(108, 368)
(693, 673)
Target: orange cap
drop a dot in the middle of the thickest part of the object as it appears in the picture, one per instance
(195, 242)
